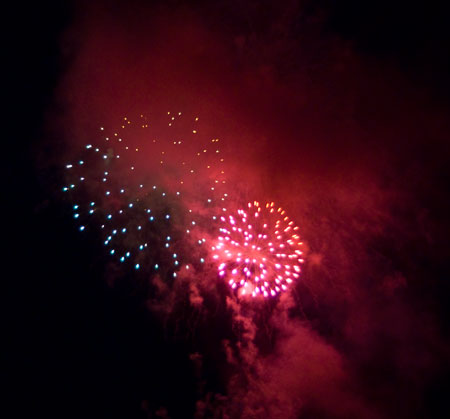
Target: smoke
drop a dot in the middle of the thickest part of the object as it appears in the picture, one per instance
(348, 145)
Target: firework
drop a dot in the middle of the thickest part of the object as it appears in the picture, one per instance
(146, 191)
(258, 250)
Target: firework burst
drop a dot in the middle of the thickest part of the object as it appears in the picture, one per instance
(148, 191)
(258, 250)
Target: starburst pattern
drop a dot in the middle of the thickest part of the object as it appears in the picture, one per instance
(258, 250)
(148, 190)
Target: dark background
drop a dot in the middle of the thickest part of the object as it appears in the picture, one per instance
(79, 348)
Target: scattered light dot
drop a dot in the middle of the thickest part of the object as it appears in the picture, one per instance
(115, 205)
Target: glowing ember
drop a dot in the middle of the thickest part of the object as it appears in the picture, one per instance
(259, 250)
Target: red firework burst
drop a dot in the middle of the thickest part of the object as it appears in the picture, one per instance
(259, 250)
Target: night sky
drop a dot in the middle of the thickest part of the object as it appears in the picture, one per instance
(338, 111)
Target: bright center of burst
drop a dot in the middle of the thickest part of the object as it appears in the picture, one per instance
(258, 250)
